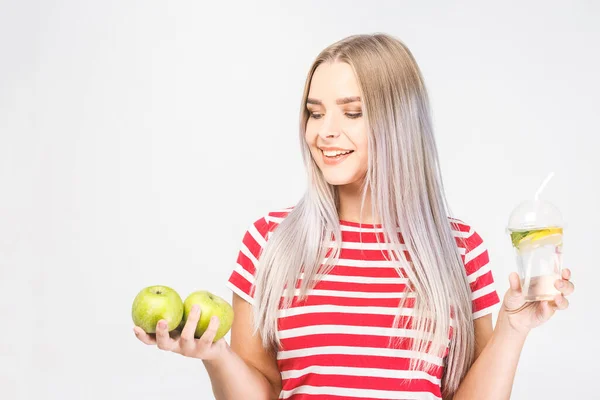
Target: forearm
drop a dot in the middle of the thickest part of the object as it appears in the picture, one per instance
(233, 379)
(492, 375)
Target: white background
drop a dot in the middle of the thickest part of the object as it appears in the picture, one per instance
(138, 141)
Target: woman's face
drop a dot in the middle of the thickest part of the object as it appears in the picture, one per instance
(336, 124)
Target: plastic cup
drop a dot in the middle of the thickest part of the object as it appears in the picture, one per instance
(536, 232)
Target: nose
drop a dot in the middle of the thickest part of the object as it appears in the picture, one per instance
(330, 127)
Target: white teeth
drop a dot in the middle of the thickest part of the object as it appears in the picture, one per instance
(335, 153)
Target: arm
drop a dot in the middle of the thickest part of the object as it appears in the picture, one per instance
(232, 378)
(245, 368)
(243, 371)
(483, 333)
(492, 374)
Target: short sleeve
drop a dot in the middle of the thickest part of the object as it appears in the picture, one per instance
(241, 280)
(479, 274)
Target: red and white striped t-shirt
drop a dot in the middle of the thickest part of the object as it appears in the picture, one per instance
(335, 343)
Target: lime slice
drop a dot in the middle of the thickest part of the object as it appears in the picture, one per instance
(517, 236)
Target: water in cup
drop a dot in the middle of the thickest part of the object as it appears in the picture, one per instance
(539, 259)
(536, 232)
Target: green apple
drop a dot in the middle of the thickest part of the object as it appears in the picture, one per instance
(210, 305)
(154, 303)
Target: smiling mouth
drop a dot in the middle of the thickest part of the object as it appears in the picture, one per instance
(336, 158)
(336, 154)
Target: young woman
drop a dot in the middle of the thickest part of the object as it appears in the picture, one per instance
(366, 288)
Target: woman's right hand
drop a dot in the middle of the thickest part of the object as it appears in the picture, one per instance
(185, 343)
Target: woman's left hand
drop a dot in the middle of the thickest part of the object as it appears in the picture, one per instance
(523, 316)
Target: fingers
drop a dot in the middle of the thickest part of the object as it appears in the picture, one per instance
(187, 340)
(143, 336)
(544, 312)
(208, 336)
(515, 284)
(514, 299)
(561, 302)
(163, 340)
(564, 286)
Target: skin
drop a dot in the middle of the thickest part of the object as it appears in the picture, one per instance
(339, 125)
(246, 370)
(492, 375)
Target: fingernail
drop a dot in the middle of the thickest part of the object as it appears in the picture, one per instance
(162, 324)
(560, 284)
(214, 319)
(195, 308)
(135, 331)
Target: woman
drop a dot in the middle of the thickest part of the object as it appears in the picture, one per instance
(397, 303)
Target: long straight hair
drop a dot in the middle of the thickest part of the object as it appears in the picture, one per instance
(407, 196)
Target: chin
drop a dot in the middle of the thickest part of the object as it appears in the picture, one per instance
(338, 180)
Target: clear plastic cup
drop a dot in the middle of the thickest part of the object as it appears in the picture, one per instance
(536, 232)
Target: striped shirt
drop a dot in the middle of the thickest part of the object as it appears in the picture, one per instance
(335, 344)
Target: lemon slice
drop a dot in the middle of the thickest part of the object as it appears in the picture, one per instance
(542, 237)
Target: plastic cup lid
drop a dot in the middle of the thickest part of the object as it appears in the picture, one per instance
(535, 214)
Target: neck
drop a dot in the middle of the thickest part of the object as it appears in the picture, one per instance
(349, 204)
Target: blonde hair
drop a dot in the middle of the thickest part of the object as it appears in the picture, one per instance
(406, 194)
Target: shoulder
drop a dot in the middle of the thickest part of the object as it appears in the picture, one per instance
(241, 279)
(467, 237)
(478, 267)
(274, 217)
(471, 245)
(260, 228)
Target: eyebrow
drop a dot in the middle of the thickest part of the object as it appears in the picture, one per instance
(343, 100)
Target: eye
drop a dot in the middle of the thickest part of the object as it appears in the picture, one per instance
(354, 115)
(316, 115)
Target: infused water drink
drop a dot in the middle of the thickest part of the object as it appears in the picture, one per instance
(536, 232)
(539, 257)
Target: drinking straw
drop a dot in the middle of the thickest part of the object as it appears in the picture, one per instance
(529, 261)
